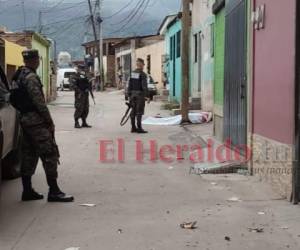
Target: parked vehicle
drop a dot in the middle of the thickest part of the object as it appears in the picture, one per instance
(63, 78)
(152, 89)
(10, 134)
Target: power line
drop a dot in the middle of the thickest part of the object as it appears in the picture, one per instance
(53, 7)
(137, 7)
(119, 11)
(136, 12)
(61, 21)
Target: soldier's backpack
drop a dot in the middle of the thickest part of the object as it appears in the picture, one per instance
(19, 97)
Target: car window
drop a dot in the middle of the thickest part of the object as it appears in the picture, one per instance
(68, 74)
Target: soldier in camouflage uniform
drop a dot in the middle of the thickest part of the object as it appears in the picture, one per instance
(38, 130)
(138, 94)
(82, 88)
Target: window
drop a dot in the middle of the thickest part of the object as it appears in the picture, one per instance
(196, 48)
(212, 40)
(171, 48)
(178, 44)
(149, 64)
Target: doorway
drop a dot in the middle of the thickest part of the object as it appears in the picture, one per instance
(235, 80)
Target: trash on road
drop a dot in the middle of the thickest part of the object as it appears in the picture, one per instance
(120, 231)
(170, 168)
(188, 225)
(234, 199)
(261, 213)
(214, 183)
(256, 230)
(87, 205)
(284, 227)
(227, 238)
(73, 248)
(227, 167)
(195, 118)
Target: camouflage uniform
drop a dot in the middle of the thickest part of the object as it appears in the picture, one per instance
(82, 87)
(38, 139)
(137, 92)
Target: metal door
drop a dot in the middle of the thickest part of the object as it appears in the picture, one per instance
(235, 96)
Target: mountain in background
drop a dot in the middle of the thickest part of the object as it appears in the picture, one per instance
(68, 22)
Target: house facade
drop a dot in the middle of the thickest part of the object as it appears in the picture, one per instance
(218, 10)
(153, 56)
(173, 63)
(109, 58)
(202, 55)
(273, 92)
(11, 57)
(33, 40)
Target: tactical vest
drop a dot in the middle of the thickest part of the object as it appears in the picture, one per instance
(19, 97)
(135, 82)
(82, 83)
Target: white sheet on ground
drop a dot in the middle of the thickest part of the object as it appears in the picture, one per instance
(195, 118)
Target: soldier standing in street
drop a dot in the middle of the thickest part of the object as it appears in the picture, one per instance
(82, 89)
(38, 130)
(138, 94)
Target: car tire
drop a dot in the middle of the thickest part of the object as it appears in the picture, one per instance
(11, 164)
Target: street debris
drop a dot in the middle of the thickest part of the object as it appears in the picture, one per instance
(227, 167)
(284, 227)
(188, 225)
(261, 213)
(73, 248)
(87, 205)
(227, 238)
(214, 183)
(234, 199)
(170, 168)
(120, 231)
(195, 118)
(256, 230)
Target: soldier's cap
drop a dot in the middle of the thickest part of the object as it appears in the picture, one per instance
(30, 54)
(140, 60)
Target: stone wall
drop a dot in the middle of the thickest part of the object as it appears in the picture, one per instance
(272, 163)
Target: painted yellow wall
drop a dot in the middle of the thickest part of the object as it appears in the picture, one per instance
(13, 54)
(156, 50)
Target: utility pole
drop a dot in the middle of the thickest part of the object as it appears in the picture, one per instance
(40, 28)
(96, 40)
(185, 58)
(24, 14)
(99, 21)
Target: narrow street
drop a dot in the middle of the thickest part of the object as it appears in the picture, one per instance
(140, 206)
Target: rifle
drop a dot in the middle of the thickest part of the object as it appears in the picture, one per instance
(92, 95)
(56, 148)
(126, 117)
(91, 89)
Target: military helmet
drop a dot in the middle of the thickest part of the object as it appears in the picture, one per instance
(140, 60)
(30, 54)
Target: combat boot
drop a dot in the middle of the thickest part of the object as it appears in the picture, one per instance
(133, 127)
(55, 194)
(29, 194)
(140, 130)
(85, 125)
(77, 125)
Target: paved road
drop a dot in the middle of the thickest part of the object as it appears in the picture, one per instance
(140, 206)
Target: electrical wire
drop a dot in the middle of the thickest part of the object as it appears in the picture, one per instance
(119, 11)
(132, 13)
(54, 7)
(143, 11)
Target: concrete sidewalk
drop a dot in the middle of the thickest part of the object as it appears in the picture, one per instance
(140, 206)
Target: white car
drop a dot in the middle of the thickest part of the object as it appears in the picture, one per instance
(63, 78)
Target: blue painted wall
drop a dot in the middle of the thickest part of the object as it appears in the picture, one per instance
(174, 68)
